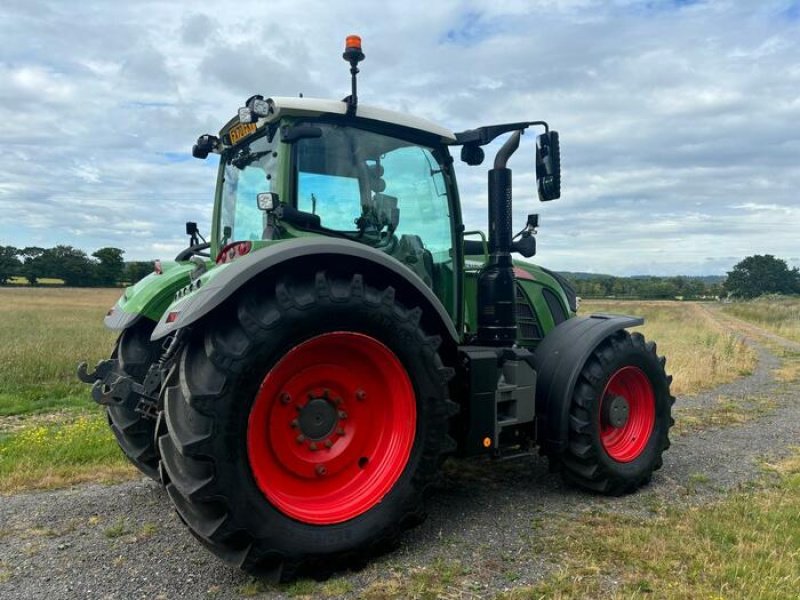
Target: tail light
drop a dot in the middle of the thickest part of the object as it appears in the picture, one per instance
(233, 251)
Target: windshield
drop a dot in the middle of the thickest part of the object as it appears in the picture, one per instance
(248, 170)
(375, 188)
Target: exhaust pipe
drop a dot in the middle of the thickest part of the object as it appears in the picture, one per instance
(497, 319)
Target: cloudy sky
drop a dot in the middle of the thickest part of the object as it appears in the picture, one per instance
(679, 120)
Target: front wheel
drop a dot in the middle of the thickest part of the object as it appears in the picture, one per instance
(304, 424)
(620, 417)
(135, 432)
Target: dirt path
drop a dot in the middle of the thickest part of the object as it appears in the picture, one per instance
(125, 541)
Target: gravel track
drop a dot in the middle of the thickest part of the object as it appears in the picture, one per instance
(124, 541)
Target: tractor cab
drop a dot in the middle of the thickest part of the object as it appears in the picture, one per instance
(305, 168)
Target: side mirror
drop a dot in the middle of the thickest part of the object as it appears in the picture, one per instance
(191, 228)
(205, 144)
(548, 166)
(267, 201)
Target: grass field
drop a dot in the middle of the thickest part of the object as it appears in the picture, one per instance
(700, 354)
(780, 315)
(51, 434)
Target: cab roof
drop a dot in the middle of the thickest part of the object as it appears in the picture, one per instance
(283, 106)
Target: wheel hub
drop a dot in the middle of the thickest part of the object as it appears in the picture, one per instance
(616, 411)
(321, 449)
(317, 419)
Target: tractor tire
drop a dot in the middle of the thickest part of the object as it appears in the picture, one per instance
(620, 417)
(304, 423)
(135, 433)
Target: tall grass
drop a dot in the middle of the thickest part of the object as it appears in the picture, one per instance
(700, 353)
(779, 314)
(44, 333)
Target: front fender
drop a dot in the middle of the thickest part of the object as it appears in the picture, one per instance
(559, 360)
(304, 253)
(149, 297)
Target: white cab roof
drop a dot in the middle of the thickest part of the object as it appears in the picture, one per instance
(314, 107)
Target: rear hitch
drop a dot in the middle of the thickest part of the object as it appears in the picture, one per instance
(111, 387)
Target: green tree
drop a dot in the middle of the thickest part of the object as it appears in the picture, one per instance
(136, 270)
(62, 262)
(33, 268)
(762, 274)
(10, 265)
(111, 268)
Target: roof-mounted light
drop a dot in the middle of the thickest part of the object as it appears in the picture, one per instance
(354, 55)
(246, 115)
(352, 43)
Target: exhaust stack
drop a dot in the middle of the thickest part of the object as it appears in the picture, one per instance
(497, 320)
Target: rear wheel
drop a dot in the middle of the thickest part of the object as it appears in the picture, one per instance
(304, 425)
(135, 433)
(620, 417)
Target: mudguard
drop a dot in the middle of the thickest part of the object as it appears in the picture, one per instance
(558, 361)
(307, 253)
(149, 297)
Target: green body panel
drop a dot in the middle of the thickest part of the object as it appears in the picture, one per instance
(151, 296)
(529, 292)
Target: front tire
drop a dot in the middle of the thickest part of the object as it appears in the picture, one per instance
(620, 416)
(304, 425)
(135, 432)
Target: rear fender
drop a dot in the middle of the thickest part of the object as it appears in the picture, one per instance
(309, 255)
(558, 361)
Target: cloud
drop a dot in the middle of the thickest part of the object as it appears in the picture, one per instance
(680, 121)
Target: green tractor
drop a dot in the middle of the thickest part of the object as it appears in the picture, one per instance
(296, 382)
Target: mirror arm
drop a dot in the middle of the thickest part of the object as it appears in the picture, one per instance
(484, 135)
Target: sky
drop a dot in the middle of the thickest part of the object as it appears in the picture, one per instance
(679, 120)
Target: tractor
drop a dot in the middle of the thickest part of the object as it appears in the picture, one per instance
(296, 381)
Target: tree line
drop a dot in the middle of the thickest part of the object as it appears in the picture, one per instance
(105, 267)
(752, 277)
(646, 287)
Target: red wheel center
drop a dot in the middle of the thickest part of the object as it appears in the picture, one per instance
(627, 414)
(332, 427)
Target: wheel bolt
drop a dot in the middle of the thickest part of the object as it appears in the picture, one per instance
(361, 395)
(300, 438)
(337, 401)
(325, 393)
(312, 446)
(340, 431)
(295, 423)
(321, 470)
(342, 414)
(328, 443)
(285, 398)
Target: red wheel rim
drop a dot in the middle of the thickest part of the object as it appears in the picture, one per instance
(626, 442)
(331, 428)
